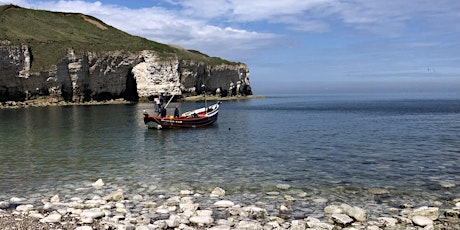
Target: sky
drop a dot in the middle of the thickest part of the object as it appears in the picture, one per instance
(302, 46)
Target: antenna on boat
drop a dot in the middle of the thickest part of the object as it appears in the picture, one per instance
(205, 101)
(170, 99)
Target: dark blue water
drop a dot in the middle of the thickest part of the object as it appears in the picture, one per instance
(406, 143)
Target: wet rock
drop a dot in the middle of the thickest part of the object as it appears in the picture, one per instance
(98, 184)
(341, 219)
(274, 193)
(378, 191)
(55, 199)
(115, 196)
(224, 204)
(430, 212)
(330, 209)
(217, 192)
(186, 192)
(283, 186)
(16, 200)
(448, 184)
(357, 213)
(256, 212)
(188, 207)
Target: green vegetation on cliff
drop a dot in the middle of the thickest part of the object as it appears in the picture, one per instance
(50, 34)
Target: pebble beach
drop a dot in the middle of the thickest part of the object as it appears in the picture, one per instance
(102, 206)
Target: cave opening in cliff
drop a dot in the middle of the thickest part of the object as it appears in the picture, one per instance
(130, 93)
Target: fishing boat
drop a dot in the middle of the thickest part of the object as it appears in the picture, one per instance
(192, 119)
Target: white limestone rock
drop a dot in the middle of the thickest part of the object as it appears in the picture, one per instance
(24, 208)
(98, 184)
(283, 186)
(84, 228)
(187, 207)
(52, 218)
(298, 225)
(256, 212)
(4, 204)
(55, 199)
(341, 219)
(201, 220)
(422, 221)
(173, 221)
(36, 215)
(330, 209)
(320, 226)
(217, 192)
(248, 225)
(154, 75)
(224, 204)
(94, 214)
(388, 221)
(115, 196)
(186, 192)
(357, 213)
(430, 212)
(16, 200)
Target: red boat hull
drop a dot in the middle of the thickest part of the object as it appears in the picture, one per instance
(192, 119)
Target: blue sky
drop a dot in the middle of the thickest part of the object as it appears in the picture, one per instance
(303, 46)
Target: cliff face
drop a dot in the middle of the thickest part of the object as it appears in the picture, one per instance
(113, 75)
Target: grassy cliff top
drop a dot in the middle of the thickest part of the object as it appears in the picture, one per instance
(50, 34)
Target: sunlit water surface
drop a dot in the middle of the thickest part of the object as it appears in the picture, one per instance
(311, 142)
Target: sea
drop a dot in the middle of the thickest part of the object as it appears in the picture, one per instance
(324, 144)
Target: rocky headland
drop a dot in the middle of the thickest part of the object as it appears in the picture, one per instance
(74, 58)
(102, 206)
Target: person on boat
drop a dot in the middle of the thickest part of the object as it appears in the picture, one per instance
(163, 111)
(176, 112)
(157, 105)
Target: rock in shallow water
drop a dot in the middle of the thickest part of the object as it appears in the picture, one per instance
(224, 204)
(430, 212)
(217, 192)
(341, 219)
(98, 184)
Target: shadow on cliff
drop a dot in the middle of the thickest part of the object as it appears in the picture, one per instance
(130, 93)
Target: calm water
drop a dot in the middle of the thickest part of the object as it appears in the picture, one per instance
(404, 143)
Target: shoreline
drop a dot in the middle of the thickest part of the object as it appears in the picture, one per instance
(103, 206)
(218, 98)
(49, 102)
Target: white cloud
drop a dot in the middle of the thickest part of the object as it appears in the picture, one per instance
(232, 28)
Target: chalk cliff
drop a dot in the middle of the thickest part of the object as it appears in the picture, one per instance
(114, 74)
(76, 58)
